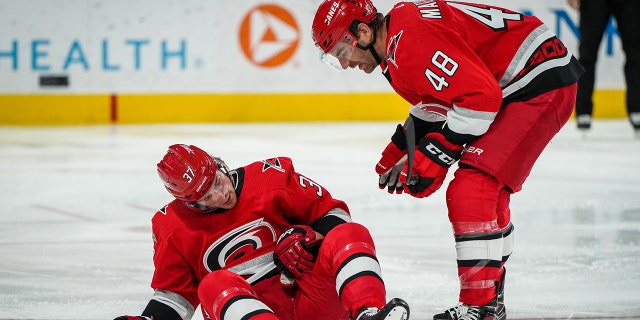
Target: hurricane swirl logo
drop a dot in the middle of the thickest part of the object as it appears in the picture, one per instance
(238, 243)
(269, 35)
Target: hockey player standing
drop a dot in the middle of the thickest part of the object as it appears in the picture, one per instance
(261, 242)
(487, 86)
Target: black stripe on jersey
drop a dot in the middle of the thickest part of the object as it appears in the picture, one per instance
(160, 311)
(326, 223)
(548, 80)
(455, 137)
(423, 127)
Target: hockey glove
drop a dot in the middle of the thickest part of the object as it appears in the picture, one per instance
(392, 161)
(391, 179)
(296, 251)
(133, 318)
(430, 165)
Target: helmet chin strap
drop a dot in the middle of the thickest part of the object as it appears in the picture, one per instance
(370, 48)
(375, 55)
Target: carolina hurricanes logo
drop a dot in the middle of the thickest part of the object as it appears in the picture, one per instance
(238, 243)
(272, 163)
(392, 46)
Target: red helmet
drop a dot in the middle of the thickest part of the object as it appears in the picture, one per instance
(187, 172)
(334, 17)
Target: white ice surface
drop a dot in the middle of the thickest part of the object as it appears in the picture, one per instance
(76, 203)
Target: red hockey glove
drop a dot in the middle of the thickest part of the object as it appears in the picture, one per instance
(296, 251)
(133, 318)
(392, 161)
(430, 165)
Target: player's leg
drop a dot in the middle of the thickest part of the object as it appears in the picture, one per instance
(225, 295)
(626, 14)
(346, 281)
(472, 201)
(480, 217)
(506, 227)
(518, 135)
(503, 214)
(478, 197)
(593, 16)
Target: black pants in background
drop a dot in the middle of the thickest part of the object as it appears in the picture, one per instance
(594, 15)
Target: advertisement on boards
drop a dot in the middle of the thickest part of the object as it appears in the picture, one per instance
(202, 46)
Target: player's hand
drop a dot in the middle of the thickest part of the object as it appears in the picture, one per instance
(296, 251)
(392, 155)
(430, 165)
(133, 318)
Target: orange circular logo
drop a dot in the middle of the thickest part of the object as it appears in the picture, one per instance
(269, 35)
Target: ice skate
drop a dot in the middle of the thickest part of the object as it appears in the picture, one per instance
(634, 118)
(491, 311)
(461, 312)
(396, 309)
(584, 122)
(494, 310)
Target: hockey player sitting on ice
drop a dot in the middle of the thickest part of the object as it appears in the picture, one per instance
(260, 242)
(487, 86)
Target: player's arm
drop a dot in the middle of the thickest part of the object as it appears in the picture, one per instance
(175, 284)
(167, 305)
(314, 213)
(164, 305)
(425, 119)
(334, 217)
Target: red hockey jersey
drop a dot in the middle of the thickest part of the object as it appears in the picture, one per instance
(462, 61)
(271, 197)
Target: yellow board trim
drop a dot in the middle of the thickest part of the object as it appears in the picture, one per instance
(609, 104)
(54, 109)
(259, 108)
(50, 109)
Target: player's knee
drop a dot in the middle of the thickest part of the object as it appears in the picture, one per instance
(218, 289)
(472, 180)
(348, 233)
(472, 196)
(218, 281)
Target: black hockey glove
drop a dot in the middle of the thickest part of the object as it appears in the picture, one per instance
(434, 157)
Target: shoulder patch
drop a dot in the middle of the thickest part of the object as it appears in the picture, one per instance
(392, 46)
(272, 163)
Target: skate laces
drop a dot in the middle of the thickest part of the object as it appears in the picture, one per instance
(464, 312)
(368, 313)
